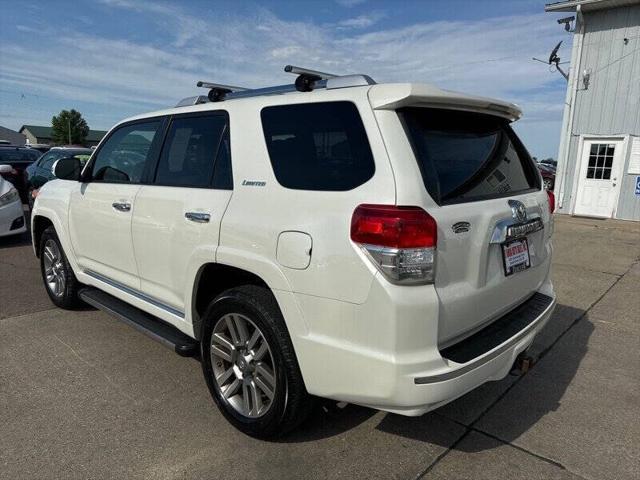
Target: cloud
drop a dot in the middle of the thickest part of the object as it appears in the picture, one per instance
(361, 21)
(350, 3)
(487, 57)
(26, 29)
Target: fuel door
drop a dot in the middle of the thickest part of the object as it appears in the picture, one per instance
(294, 249)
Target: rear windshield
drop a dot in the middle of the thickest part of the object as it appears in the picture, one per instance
(465, 156)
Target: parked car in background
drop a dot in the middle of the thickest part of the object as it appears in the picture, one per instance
(39, 172)
(11, 213)
(19, 158)
(548, 175)
(550, 162)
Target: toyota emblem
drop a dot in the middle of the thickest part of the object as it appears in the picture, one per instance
(518, 210)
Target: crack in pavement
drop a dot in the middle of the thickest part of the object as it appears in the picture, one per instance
(2, 319)
(471, 427)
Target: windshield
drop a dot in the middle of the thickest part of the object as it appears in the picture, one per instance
(465, 156)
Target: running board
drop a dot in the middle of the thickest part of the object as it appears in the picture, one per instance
(152, 326)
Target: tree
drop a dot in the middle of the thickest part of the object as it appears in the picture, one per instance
(68, 127)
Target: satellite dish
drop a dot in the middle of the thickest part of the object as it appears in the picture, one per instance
(554, 58)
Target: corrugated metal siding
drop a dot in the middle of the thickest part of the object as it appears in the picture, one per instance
(629, 202)
(611, 103)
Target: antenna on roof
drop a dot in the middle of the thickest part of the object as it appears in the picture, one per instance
(307, 78)
(554, 60)
(218, 91)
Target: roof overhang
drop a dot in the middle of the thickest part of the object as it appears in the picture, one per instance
(587, 5)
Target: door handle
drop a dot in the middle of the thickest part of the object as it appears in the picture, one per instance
(121, 206)
(198, 217)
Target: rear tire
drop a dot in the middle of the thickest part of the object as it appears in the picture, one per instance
(250, 365)
(58, 277)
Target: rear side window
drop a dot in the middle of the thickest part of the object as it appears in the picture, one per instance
(122, 158)
(318, 146)
(465, 156)
(194, 153)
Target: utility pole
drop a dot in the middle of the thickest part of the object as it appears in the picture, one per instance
(69, 125)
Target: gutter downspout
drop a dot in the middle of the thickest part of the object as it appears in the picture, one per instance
(565, 147)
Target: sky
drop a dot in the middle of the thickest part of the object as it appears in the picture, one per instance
(111, 59)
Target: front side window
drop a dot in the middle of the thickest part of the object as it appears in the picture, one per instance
(318, 146)
(465, 156)
(193, 150)
(123, 156)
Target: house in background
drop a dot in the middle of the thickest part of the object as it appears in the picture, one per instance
(42, 135)
(598, 171)
(11, 136)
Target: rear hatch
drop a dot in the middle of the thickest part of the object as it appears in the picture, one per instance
(476, 175)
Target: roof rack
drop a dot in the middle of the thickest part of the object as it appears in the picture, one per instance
(306, 81)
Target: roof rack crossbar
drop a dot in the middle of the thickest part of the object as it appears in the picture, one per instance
(305, 71)
(307, 81)
(231, 88)
(217, 91)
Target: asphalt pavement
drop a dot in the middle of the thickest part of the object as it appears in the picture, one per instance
(85, 396)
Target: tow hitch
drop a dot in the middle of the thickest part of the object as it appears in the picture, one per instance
(523, 364)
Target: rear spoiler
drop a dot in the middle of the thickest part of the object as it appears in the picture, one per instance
(398, 95)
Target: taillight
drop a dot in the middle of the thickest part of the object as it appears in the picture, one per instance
(401, 241)
(552, 201)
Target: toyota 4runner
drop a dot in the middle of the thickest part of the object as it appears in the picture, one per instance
(387, 245)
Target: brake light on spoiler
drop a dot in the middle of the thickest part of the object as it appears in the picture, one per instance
(400, 241)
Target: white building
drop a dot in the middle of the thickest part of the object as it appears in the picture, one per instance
(599, 158)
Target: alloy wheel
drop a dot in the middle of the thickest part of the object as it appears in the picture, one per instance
(243, 365)
(54, 268)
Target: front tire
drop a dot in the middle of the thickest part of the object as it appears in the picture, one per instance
(250, 365)
(58, 277)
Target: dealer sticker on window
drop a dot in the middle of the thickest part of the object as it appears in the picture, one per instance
(516, 256)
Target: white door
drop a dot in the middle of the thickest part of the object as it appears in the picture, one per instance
(598, 182)
(176, 219)
(102, 206)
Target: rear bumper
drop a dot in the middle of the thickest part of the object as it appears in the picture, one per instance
(384, 354)
(418, 393)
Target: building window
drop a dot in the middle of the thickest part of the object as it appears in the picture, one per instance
(600, 161)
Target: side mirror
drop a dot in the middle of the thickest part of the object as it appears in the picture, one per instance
(6, 169)
(68, 168)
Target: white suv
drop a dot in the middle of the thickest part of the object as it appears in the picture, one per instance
(386, 245)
